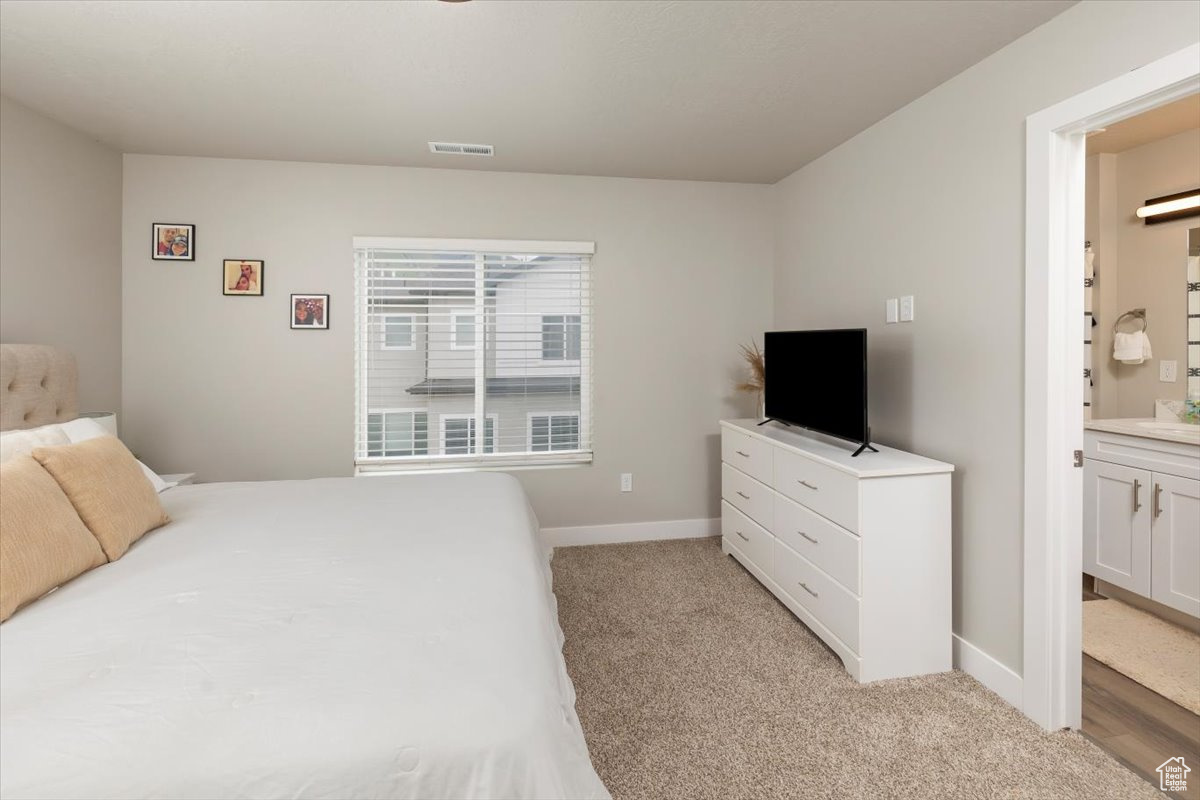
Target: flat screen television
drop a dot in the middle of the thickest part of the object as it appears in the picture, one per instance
(818, 380)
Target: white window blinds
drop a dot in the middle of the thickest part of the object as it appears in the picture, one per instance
(460, 336)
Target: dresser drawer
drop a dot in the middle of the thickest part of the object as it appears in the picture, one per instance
(747, 536)
(748, 454)
(831, 548)
(750, 497)
(835, 607)
(831, 493)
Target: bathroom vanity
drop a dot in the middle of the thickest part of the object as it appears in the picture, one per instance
(1141, 514)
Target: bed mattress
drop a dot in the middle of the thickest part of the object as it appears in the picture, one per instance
(335, 638)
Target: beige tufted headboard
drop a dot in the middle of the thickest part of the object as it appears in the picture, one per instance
(38, 386)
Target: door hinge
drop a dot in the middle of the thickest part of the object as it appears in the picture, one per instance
(1079, 458)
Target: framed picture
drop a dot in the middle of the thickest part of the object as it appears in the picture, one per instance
(243, 276)
(174, 241)
(310, 311)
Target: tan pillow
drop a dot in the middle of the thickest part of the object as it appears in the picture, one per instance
(108, 489)
(43, 542)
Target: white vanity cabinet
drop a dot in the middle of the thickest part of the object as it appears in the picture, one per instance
(1116, 524)
(1175, 544)
(1141, 517)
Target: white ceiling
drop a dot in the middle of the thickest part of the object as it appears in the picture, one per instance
(725, 91)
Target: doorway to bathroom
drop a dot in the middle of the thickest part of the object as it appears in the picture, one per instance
(1054, 362)
(1140, 668)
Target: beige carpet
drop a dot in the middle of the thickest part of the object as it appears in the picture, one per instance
(694, 682)
(1160, 656)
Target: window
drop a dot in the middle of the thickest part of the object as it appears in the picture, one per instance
(398, 332)
(458, 434)
(560, 337)
(549, 432)
(462, 329)
(474, 337)
(395, 434)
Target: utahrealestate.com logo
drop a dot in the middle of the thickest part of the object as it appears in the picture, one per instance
(1172, 775)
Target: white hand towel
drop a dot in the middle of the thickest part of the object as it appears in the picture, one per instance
(1132, 348)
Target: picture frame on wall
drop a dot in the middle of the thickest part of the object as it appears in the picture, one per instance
(243, 276)
(310, 312)
(173, 241)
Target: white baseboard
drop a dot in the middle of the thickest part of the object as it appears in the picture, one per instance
(631, 532)
(988, 671)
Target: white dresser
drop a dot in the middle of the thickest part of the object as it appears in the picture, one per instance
(857, 548)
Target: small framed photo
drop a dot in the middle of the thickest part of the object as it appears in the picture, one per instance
(243, 276)
(174, 241)
(310, 311)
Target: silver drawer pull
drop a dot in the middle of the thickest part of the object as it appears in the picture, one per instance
(806, 536)
(743, 495)
(804, 586)
(807, 484)
(744, 536)
(743, 455)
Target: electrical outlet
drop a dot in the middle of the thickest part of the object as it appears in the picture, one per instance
(893, 310)
(1168, 371)
(906, 308)
(626, 481)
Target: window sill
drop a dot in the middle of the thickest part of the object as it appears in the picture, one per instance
(497, 464)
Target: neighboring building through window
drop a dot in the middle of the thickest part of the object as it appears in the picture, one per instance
(472, 353)
(458, 434)
(549, 432)
(462, 330)
(398, 333)
(561, 337)
(397, 434)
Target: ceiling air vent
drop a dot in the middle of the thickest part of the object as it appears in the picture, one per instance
(459, 149)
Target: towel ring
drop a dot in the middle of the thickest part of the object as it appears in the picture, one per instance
(1137, 314)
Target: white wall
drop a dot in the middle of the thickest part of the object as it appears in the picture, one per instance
(221, 386)
(60, 247)
(1152, 268)
(930, 202)
(1140, 266)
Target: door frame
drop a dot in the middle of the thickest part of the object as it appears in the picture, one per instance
(1055, 154)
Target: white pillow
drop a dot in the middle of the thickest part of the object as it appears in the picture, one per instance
(82, 429)
(22, 443)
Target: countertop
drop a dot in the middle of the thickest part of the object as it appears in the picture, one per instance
(1130, 427)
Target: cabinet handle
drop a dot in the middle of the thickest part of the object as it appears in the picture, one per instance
(745, 538)
(806, 536)
(743, 455)
(804, 586)
(743, 496)
(1137, 490)
(1157, 499)
(807, 484)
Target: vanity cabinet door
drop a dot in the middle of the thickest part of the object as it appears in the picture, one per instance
(1176, 543)
(1116, 524)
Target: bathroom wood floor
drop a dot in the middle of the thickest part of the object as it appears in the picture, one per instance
(1138, 727)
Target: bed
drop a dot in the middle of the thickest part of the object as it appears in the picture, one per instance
(330, 638)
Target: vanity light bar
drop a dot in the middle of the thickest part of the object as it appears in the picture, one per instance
(1172, 206)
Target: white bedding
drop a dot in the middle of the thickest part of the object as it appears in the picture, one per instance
(334, 638)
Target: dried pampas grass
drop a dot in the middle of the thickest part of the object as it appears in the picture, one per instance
(758, 370)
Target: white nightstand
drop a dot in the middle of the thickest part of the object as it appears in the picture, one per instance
(180, 478)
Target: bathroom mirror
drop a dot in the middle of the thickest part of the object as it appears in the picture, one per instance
(1193, 316)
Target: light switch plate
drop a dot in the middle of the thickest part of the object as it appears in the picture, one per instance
(626, 481)
(893, 310)
(906, 308)
(1168, 371)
